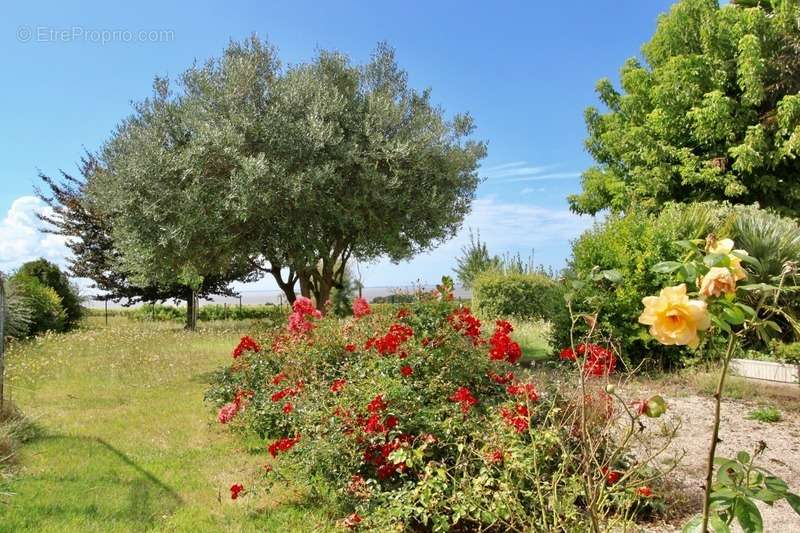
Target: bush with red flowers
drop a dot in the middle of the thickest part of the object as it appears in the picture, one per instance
(423, 420)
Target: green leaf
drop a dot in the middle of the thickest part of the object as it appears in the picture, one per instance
(747, 259)
(758, 287)
(717, 260)
(733, 315)
(747, 309)
(721, 324)
(717, 524)
(794, 501)
(776, 484)
(743, 457)
(749, 516)
(613, 276)
(686, 245)
(666, 267)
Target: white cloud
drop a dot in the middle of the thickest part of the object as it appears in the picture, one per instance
(21, 238)
(531, 190)
(542, 177)
(523, 171)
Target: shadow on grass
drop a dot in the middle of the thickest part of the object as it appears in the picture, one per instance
(89, 480)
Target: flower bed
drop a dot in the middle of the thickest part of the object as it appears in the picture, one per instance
(422, 420)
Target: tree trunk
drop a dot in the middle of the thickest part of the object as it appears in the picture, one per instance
(305, 284)
(286, 286)
(190, 311)
(323, 294)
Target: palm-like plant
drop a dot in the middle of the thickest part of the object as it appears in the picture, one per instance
(775, 241)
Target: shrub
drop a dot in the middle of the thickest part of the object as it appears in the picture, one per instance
(632, 244)
(207, 312)
(51, 276)
(18, 312)
(395, 298)
(40, 303)
(786, 352)
(524, 296)
(418, 421)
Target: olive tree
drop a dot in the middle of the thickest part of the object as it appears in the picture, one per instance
(288, 171)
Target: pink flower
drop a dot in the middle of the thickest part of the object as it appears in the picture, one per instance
(360, 308)
(350, 348)
(406, 371)
(227, 412)
(288, 407)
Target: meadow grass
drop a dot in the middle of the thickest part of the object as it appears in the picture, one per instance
(532, 335)
(124, 441)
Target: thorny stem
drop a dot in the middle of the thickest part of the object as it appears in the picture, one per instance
(712, 450)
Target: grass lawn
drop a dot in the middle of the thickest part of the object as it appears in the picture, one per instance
(124, 441)
(531, 335)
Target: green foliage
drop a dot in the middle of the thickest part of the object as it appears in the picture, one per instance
(394, 298)
(526, 296)
(739, 484)
(40, 303)
(18, 311)
(304, 167)
(786, 352)
(712, 114)
(634, 243)
(50, 275)
(769, 414)
(402, 450)
(209, 312)
(474, 260)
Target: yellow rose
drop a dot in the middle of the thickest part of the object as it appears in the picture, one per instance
(674, 318)
(718, 280)
(725, 247)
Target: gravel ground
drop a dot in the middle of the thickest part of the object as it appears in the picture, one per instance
(782, 456)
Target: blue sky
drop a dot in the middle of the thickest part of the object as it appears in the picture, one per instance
(524, 70)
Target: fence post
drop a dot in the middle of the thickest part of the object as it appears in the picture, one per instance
(225, 311)
(106, 300)
(240, 303)
(2, 341)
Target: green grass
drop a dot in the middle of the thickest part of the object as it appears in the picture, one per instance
(769, 414)
(532, 339)
(124, 441)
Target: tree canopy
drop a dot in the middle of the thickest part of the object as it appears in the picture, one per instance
(293, 171)
(713, 113)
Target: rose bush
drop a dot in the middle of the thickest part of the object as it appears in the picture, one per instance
(422, 420)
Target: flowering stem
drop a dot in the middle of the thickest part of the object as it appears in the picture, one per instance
(712, 450)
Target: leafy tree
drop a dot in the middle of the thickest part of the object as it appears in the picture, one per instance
(712, 114)
(94, 255)
(43, 303)
(365, 166)
(50, 275)
(475, 259)
(293, 171)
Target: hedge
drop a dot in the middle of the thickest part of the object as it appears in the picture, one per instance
(524, 296)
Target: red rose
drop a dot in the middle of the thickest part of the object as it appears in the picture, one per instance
(236, 488)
